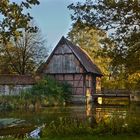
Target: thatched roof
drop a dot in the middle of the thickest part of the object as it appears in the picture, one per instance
(83, 58)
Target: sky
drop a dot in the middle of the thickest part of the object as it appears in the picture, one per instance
(53, 18)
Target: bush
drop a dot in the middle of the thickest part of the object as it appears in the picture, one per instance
(46, 92)
(52, 90)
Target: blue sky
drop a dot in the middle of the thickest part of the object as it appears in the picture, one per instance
(53, 18)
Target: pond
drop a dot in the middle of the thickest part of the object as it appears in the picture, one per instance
(33, 119)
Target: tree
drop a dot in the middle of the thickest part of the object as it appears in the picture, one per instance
(24, 55)
(14, 19)
(21, 45)
(122, 21)
(120, 17)
(89, 38)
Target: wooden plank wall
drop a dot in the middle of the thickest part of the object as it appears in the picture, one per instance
(65, 67)
(80, 82)
(63, 61)
(90, 83)
(75, 80)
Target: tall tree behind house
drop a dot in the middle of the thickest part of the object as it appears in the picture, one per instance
(123, 18)
(90, 38)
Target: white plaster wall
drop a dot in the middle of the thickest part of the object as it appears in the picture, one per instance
(13, 90)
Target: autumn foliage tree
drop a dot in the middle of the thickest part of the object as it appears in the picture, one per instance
(121, 19)
(89, 38)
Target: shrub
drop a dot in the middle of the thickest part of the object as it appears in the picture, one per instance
(46, 92)
(67, 126)
(51, 89)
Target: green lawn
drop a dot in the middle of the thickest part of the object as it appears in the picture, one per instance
(123, 137)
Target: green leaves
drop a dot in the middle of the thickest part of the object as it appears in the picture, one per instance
(122, 21)
(14, 19)
(49, 87)
(90, 38)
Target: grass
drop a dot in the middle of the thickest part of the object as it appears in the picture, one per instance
(89, 137)
(74, 129)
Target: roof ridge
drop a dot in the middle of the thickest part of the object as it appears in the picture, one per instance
(67, 42)
(82, 57)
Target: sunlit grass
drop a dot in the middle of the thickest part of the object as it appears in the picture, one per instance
(91, 137)
(87, 137)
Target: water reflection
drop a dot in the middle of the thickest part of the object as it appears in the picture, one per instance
(94, 114)
(90, 115)
(89, 110)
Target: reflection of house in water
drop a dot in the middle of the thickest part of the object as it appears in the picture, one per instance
(89, 110)
(101, 114)
(96, 114)
(90, 115)
(107, 113)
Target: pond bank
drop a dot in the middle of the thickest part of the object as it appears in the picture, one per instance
(88, 137)
(82, 120)
(91, 137)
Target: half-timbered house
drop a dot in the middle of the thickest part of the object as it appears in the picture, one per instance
(71, 64)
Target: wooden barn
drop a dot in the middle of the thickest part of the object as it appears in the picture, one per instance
(70, 63)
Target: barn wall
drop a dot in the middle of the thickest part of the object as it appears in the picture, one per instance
(75, 80)
(82, 84)
(13, 89)
(63, 61)
(90, 83)
(63, 65)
